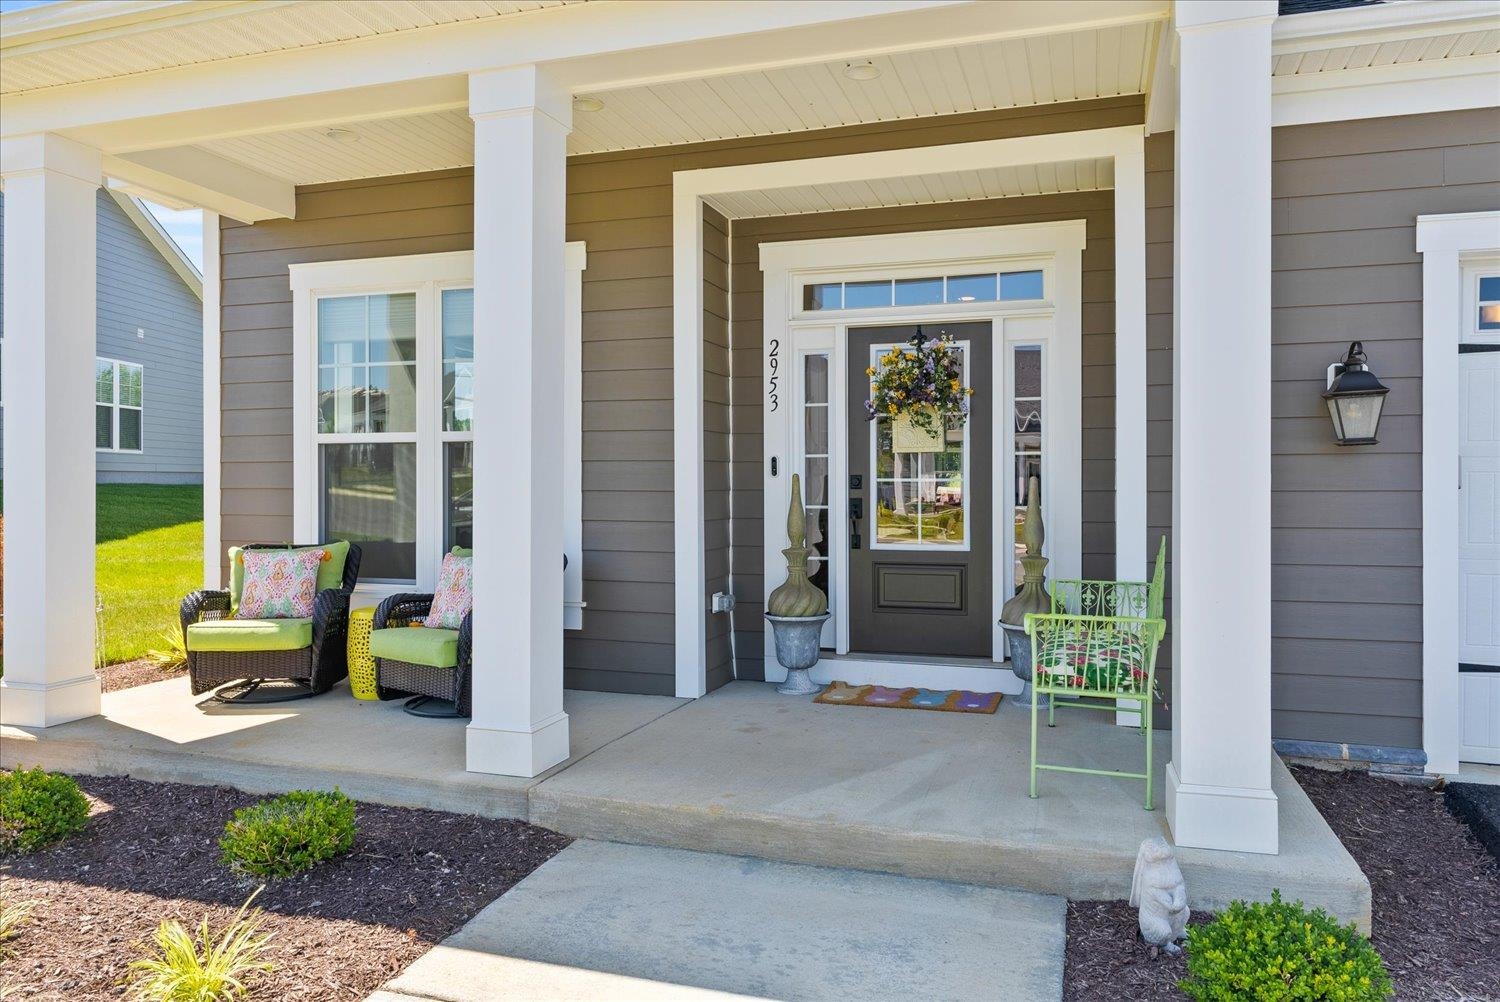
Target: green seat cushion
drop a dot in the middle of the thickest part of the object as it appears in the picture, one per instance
(250, 635)
(1099, 659)
(418, 645)
(330, 571)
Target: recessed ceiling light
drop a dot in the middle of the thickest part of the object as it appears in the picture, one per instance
(342, 135)
(865, 70)
(587, 104)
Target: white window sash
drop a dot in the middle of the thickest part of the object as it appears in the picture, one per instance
(116, 407)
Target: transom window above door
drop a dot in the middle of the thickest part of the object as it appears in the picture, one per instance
(928, 290)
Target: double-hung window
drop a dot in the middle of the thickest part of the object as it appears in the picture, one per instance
(119, 399)
(383, 411)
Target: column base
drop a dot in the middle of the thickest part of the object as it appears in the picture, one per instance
(43, 704)
(517, 753)
(1234, 819)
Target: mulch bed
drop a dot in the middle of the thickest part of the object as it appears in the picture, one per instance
(129, 674)
(150, 853)
(1435, 894)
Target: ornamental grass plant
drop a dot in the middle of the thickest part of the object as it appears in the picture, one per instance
(1280, 952)
(182, 967)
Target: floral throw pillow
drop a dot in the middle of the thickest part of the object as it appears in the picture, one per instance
(455, 593)
(280, 584)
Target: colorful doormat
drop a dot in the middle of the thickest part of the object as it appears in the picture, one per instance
(950, 700)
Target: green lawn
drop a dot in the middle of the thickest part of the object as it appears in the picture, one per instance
(149, 554)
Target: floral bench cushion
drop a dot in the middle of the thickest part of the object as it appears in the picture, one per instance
(1101, 659)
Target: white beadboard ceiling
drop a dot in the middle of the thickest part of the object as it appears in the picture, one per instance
(373, 148)
(270, 26)
(1388, 53)
(983, 76)
(955, 186)
(1007, 73)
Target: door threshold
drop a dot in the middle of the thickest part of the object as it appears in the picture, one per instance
(915, 659)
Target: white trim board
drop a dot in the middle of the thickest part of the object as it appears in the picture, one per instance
(690, 189)
(213, 415)
(1054, 323)
(1444, 241)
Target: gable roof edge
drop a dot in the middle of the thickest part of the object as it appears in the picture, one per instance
(161, 240)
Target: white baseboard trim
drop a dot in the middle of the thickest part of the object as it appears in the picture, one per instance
(1230, 818)
(43, 704)
(517, 753)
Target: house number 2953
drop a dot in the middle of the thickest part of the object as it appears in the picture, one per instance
(773, 365)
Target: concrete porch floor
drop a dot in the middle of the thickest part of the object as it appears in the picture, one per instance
(741, 771)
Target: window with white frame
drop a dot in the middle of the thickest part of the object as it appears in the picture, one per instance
(119, 400)
(383, 454)
(1487, 313)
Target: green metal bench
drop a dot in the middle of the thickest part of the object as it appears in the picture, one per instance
(1099, 642)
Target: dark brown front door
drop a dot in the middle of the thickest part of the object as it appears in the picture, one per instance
(920, 523)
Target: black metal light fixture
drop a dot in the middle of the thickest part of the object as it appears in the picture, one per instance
(1355, 398)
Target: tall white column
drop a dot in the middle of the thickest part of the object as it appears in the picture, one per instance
(50, 188)
(521, 125)
(1219, 780)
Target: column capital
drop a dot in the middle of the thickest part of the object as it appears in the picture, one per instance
(519, 90)
(1189, 15)
(47, 151)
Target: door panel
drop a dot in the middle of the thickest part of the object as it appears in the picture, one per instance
(920, 547)
(1479, 556)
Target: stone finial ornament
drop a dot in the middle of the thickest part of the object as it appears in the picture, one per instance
(1033, 594)
(1157, 889)
(797, 596)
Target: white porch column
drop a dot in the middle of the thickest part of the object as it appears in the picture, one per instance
(50, 186)
(521, 125)
(1219, 779)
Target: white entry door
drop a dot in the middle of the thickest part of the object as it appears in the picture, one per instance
(1479, 553)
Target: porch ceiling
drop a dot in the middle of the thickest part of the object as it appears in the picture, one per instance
(72, 44)
(983, 76)
(954, 186)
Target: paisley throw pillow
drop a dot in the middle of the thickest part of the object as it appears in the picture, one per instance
(280, 584)
(454, 596)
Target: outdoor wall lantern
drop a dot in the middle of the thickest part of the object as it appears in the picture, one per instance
(1355, 398)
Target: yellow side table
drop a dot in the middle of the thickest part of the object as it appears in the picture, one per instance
(361, 664)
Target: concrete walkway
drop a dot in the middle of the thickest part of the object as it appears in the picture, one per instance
(623, 923)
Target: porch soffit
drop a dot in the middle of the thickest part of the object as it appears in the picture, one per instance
(99, 50)
(996, 74)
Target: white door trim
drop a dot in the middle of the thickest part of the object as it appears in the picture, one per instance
(1124, 145)
(1056, 248)
(1445, 242)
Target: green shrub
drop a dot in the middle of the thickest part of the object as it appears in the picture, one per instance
(186, 969)
(1280, 952)
(38, 808)
(288, 834)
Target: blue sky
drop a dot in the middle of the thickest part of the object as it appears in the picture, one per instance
(6, 6)
(184, 226)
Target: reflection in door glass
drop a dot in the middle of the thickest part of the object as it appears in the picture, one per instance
(1026, 379)
(815, 465)
(919, 496)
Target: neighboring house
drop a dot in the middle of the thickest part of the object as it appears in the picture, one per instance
(148, 408)
(596, 278)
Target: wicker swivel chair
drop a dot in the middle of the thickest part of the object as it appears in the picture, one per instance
(441, 687)
(265, 661)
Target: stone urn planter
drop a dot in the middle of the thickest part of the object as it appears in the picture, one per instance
(1031, 598)
(798, 609)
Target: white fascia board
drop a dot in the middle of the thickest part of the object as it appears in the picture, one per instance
(30, 29)
(1384, 91)
(1161, 99)
(160, 239)
(1012, 152)
(199, 177)
(1393, 21)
